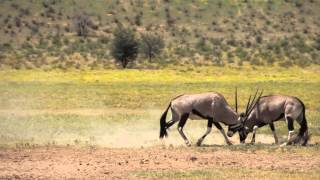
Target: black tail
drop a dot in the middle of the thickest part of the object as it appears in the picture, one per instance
(163, 128)
(303, 136)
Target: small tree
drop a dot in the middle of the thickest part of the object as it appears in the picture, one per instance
(82, 23)
(124, 46)
(151, 45)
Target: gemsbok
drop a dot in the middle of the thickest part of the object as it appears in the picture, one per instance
(210, 106)
(265, 110)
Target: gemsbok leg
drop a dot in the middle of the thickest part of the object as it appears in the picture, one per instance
(175, 118)
(290, 127)
(274, 133)
(209, 127)
(181, 124)
(253, 140)
(255, 128)
(170, 123)
(222, 132)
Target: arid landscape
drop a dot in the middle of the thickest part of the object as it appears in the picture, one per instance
(159, 161)
(83, 85)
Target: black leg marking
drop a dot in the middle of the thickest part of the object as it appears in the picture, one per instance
(222, 132)
(183, 120)
(170, 123)
(181, 124)
(209, 127)
(217, 125)
(290, 124)
(274, 133)
(272, 126)
(210, 121)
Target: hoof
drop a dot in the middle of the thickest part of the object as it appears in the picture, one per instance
(188, 144)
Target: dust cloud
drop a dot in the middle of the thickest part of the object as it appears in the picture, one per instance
(95, 127)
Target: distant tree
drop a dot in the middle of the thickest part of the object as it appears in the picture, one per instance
(259, 39)
(138, 19)
(82, 23)
(151, 44)
(124, 46)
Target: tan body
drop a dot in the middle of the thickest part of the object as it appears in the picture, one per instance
(209, 106)
(270, 109)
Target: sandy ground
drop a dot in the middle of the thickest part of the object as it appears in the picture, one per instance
(124, 163)
(122, 156)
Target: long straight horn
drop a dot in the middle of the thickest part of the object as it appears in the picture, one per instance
(253, 100)
(236, 99)
(254, 104)
(248, 104)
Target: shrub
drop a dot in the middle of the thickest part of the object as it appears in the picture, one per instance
(203, 45)
(124, 46)
(138, 19)
(259, 39)
(298, 3)
(256, 61)
(241, 53)
(151, 44)
(82, 22)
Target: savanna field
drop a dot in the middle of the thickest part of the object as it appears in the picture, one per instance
(83, 85)
(117, 112)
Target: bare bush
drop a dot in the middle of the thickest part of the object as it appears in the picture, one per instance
(82, 23)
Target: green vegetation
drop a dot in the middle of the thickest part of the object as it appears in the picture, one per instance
(60, 84)
(40, 106)
(56, 34)
(151, 45)
(125, 46)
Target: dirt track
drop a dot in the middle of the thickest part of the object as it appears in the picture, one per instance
(69, 162)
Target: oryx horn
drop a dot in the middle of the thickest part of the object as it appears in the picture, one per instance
(236, 99)
(251, 103)
(248, 105)
(254, 104)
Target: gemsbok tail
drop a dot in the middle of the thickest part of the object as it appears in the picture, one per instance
(303, 136)
(163, 128)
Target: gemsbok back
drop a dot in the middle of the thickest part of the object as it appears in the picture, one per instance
(210, 106)
(265, 110)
